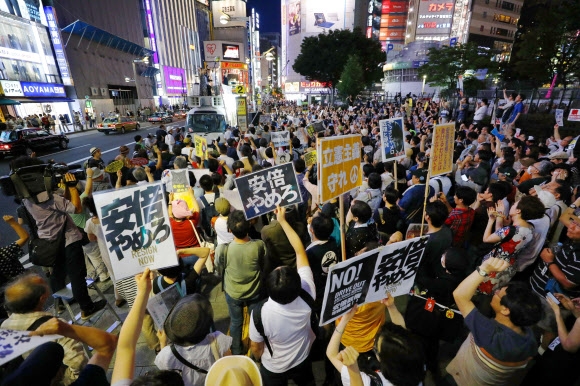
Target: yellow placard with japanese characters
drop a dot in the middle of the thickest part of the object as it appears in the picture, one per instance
(339, 165)
(442, 149)
(200, 145)
(310, 158)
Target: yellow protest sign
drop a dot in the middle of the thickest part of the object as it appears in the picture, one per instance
(339, 161)
(310, 158)
(200, 145)
(442, 149)
(241, 111)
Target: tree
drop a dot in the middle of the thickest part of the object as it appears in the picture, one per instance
(551, 45)
(446, 64)
(351, 81)
(323, 57)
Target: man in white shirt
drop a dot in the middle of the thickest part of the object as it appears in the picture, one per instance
(481, 112)
(170, 140)
(285, 318)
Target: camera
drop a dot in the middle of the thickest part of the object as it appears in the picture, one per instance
(31, 181)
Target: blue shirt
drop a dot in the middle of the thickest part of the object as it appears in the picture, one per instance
(518, 108)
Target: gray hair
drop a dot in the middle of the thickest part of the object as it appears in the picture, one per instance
(180, 162)
(139, 174)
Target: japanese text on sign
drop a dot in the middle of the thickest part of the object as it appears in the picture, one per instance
(136, 228)
(339, 159)
(261, 192)
(280, 138)
(200, 145)
(14, 343)
(442, 149)
(368, 277)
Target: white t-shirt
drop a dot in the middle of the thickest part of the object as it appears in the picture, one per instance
(287, 327)
(345, 378)
(210, 197)
(221, 230)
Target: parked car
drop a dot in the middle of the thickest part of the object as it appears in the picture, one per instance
(180, 114)
(29, 140)
(160, 118)
(118, 124)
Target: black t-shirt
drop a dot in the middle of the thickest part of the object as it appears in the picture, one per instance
(190, 283)
(321, 257)
(386, 219)
(436, 245)
(525, 186)
(98, 163)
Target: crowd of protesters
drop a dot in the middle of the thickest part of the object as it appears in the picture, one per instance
(500, 265)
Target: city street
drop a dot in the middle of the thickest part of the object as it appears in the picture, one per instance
(77, 153)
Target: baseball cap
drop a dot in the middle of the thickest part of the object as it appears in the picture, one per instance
(222, 206)
(510, 173)
(421, 174)
(94, 150)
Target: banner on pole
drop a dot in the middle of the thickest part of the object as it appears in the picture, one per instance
(200, 145)
(441, 158)
(368, 277)
(261, 192)
(280, 138)
(392, 139)
(339, 170)
(135, 223)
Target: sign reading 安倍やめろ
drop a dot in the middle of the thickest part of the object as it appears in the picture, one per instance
(368, 277)
(135, 223)
(261, 192)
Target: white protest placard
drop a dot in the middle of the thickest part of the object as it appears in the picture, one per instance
(198, 173)
(160, 304)
(135, 223)
(233, 196)
(392, 139)
(574, 115)
(280, 138)
(368, 277)
(560, 117)
(15, 343)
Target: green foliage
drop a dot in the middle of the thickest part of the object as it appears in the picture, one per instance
(551, 45)
(446, 63)
(351, 81)
(323, 57)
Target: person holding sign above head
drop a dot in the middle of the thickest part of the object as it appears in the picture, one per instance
(397, 351)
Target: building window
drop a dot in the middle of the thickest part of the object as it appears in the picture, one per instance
(507, 6)
(502, 32)
(484, 15)
(503, 18)
(481, 28)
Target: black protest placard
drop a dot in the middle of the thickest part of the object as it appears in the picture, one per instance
(368, 277)
(261, 192)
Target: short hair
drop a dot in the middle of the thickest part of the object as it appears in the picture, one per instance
(216, 179)
(213, 165)
(531, 207)
(524, 305)
(485, 155)
(137, 138)
(498, 190)
(362, 211)
(456, 261)
(269, 152)
(368, 169)
(391, 194)
(139, 174)
(238, 225)
(283, 284)
(180, 162)
(206, 183)
(30, 287)
(523, 96)
(437, 212)
(263, 142)
(237, 165)
(565, 191)
(375, 181)
(172, 272)
(401, 355)
(467, 194)
(223, 148)
(295, 142)
(322, 226)
(299, 165)
(246, 151)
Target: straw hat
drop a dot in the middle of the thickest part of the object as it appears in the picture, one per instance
(236, 370)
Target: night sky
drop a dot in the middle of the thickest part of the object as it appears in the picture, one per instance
(269, 11)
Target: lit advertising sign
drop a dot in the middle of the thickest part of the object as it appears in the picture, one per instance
(221, 50)
(393, 6)
(175, 82)
(435, 17)
(10, 88)
(234, 65)
(391, 34)
(10, 53)
(232, 8)
(59, 52)
(393, 21)
(34, 89)
(294, 17)
(26, 9)
(313, 87)
(152, 41)
(323, 15)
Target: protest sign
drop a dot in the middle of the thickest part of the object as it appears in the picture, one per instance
(200, 145)
(560, 117)
(441, 159)
(180, 186)
(310, 158)
(135, 223)
(233, 196)
(368, 277)
(339, 160)
(265, 119)
(282, 158)
(198, 173)
(392, 139)
(574, 115)
(280, 138)
(16, 343)
(160, 304)
(261, 192)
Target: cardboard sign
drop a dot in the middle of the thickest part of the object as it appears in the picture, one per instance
(310, 158)
(200, 145)
(339, 160)
(135, 223)
(180, 186)
(265, 119)
(15, 343)
(392, 139)
(161, 304)
(560, 117)
(574, 115)
(368, 277)
(261, 192)
(280, 138)
(442, 149)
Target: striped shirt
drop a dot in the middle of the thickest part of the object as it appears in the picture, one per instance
(568, 260)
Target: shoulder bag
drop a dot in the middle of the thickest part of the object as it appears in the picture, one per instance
(44, 252)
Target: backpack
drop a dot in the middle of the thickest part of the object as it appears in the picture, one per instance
(207, 213)
(314, 318)
(9, 367)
